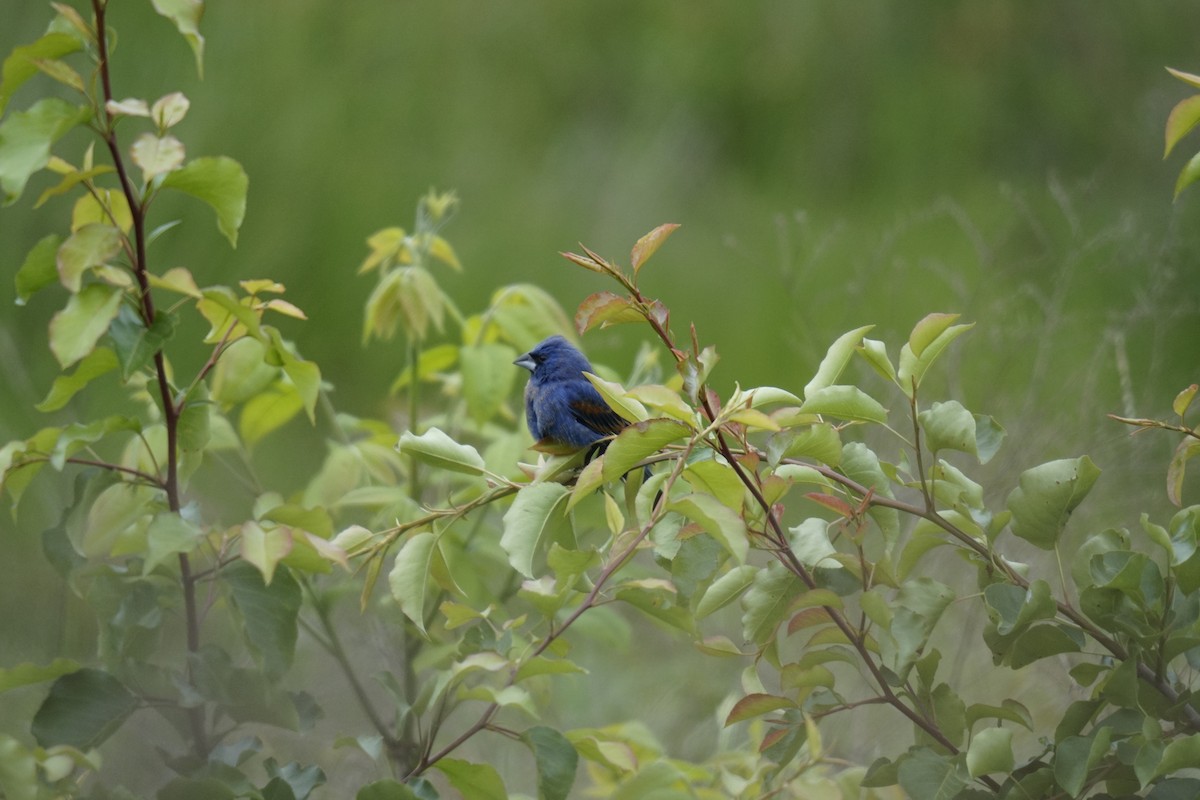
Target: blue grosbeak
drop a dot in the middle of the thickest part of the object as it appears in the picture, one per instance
(560, 404)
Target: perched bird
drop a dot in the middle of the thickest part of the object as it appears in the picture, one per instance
(560, 404)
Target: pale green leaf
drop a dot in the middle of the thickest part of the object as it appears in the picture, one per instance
(638, 441)
(265, 547)
(437, 449)
(25, 674)
(218, 181)
(99, 362)
(39, 269)
(1183, 117)
(844, 402)
(169, 110)
(20, 65)
(929, 338)
(186, 14)
(768, 602)
(26, 138)
(412, 575)
(536, 519)
(1188, 175)
(726, 589)
(836, 359)
(614, 395)
(75, 330)
(267, 410)
(90, 246)
(718, 520)
(157, 155)
(487, 378)
(1045, 497)
(169, 534)
(476, 781)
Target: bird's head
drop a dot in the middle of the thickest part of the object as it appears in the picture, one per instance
(554, 359)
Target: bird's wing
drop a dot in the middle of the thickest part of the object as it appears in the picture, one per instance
(589, 409)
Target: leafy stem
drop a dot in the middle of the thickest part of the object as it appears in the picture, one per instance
(170, 410)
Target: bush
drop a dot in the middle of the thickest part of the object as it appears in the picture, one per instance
(815, 536)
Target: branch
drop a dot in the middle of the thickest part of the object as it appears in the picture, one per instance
(170, 485)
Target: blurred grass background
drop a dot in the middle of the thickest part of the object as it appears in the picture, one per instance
(832, 164)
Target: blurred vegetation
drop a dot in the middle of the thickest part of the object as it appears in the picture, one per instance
(832, 165)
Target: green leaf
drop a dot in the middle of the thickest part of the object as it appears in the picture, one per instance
(134, 343)
(1183, 753)
(844, 402)
(1186, 77)
(18, 770)
(75, 330)
(1183, 117)
(218, 181)
(536, 519)
(614, 395)
(186, 14)
(726, 589)
(1013, 609)
(556, 760)
(270, 613)
(82, 710)
(242, 373)
(1042, 502)
(168, 535)
(649, 244)
(91, 246)
(1188, 175)
(1188, 448)
(990, 751)
(99, 362)
(949, 426)
(412, 575)
(927, 341)
(1076, 755)
(487, 378)
(386, 789)
(930, 776)
(118, 510)
(836, 359)
(1184, 399)
(718, 520)
(639, 440)
(268, 410)
(39, 269)
(605, 309)
(875, 354)
(1043, 641)
(809, 543)
(861, 464)
(477, 781)
(26, 674)
(26, 138)
(819, 442)
(437, 449)
(768, 602)
(21, 64)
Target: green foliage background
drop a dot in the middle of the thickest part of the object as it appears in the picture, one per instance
(832, 165)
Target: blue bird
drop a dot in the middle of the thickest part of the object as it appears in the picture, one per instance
(561, 405)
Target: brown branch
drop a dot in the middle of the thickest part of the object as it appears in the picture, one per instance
(170, 410)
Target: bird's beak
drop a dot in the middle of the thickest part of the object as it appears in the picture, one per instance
(526, 361)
